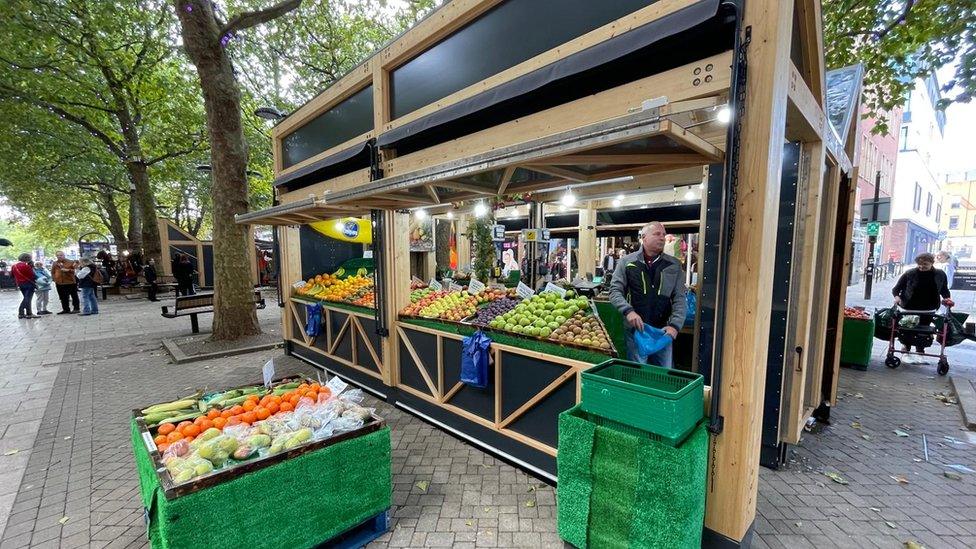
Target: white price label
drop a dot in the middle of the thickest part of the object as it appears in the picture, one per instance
(434, 285)
(336, 385)
(550, 287)
(268, 372)
(455, 287)
(524, 291)
(415, 280)
(298, 284)
(148, 439)
(476, 286)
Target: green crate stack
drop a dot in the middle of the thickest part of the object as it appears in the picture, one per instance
(857, 341)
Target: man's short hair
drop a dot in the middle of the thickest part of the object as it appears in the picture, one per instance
(647, 227)
(926, 257)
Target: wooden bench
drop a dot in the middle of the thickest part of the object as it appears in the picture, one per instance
(201, 303)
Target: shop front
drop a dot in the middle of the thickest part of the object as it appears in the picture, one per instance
(546, 162)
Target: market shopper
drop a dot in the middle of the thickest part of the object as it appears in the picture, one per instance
(648, 288)
(43, 282)
(183, 271)
(23, 273)
(149, 272)
(921, 288)
(89, 277)
(63, 273)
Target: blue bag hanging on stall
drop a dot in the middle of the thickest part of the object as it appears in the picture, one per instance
(650, 341)
(692, 301)
(313, 322)
(474, 360)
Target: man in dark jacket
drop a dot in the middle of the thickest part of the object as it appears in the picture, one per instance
(648, 288)
(921, 288)
(149, 271)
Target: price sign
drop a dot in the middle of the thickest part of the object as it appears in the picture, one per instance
(498, 233)
(550, 287)
(524, 291)
(336, 385)
(434, 285)
(415, 280)
(268, 372)
(298, 284)
(455, 287)
(476, 286)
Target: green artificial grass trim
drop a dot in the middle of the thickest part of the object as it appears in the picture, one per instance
(613, 321)
(619, 490)
(570, 353)
(300, 502)
(335, 304)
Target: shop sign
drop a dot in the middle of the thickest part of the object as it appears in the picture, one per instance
(475, 286)
(434, 285)
(550, 287)
(498, 233)
(873, 228)
(524, 291)
(535, 235)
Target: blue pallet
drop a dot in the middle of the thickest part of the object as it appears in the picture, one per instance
(361, 534)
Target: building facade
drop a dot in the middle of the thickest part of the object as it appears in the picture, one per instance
(958, 226)
(916, 203)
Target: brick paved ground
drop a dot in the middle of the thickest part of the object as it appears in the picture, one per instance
(80, 465)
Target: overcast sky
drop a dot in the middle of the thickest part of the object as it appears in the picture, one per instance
(960, 133)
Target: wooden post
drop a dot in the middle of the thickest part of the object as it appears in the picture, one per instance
(586, 259)
(396, 252)
(291, 271)
(463, 244)
(733, 474)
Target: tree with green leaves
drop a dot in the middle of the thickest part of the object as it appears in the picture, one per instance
(898, 41)
(106, 70)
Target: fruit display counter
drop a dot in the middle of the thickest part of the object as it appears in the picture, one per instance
(205, 455)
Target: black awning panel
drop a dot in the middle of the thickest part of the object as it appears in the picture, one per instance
(342, 162)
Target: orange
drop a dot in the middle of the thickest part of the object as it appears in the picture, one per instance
(303, 386)
(276, 399)
(189, 439)
(226, 414)
(205, 424)
(213, 413)
(199, 420)
(183, 424)
(237, 410)
(162, 447)
(233, 420)
(249, 405)
(220, 422)
(174, 436)
(286, 407)
(294, 400)
(325, 391)
(190, 431)
(262, 413)
(253, 397)
(166, 428)
(315, 387)
(160, 439)
(273, 407)
(249, 417)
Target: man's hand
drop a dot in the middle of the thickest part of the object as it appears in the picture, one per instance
(898, 301)
(671, 332)
(635, 321)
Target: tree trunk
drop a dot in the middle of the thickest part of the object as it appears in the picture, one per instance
(146, 209)
(134, 232)
(234, 312)
(113, 220)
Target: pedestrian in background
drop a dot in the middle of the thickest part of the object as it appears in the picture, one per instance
(63, 273)
(24, 277)
(89, 277)
(149, 272)
(43, 283)
(183, 271)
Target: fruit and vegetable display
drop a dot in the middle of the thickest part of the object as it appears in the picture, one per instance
(245, 424)
(485, 315)
(857, 313)
(567, 320)
(584, 330)
(356, 290)
(420, 293)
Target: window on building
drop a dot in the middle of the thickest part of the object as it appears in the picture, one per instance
(903, 139)
(974, 222)
(928, 206)
(938, 212)
(953, 222)
(955, 202)
(917, 204)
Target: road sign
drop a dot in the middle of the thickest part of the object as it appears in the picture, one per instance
(873, 228)
(884, 210)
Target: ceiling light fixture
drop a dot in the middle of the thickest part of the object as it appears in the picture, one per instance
(724, 115)
(450, 215)
(616, 202)
(690, 195)
(480, 210)
(420, 214)
(568, 199)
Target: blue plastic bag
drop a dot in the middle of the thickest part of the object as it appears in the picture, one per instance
(474, 359)
(313, 320)
(650, 341)
(692, 300)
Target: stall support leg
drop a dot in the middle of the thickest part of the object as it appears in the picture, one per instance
(194, 324)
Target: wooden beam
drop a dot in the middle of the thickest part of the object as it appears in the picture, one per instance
(450, 184)
(733, 477)
(432, 192)
(538, 397)
(558, 172)
(623, 159)
(811, 37)
(419, 364)
(506, 179)
(805, 120)
(396, 261)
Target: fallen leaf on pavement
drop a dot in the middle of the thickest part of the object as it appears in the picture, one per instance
(63, 520)
(890, 524)
(858, 395)
(900, 433)
(468, 523)
(530, 503)
(899, 479)
(10, 452)
(875, 509)
(856, 424)
(866, 437)
(836, 477)
(912, 544)
(952, 475)
(422, 485)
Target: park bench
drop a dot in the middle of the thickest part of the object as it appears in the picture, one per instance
(201, 303)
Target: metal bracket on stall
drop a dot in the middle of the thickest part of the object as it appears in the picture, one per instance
(379, 273)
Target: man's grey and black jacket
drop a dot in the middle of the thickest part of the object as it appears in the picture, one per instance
(657, 294)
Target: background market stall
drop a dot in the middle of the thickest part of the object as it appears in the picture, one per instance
(632, 90)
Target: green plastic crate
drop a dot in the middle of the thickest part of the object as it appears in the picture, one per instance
(857, 341)
(661, 401)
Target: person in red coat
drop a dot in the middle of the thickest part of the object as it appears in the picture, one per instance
(24, 277)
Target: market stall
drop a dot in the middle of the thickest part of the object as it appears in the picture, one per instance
(621, 98)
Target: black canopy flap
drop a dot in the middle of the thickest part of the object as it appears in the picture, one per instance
(342, 162)
(574, 65)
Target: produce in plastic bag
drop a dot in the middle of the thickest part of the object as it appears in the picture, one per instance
(185, 469)
(177, 449)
